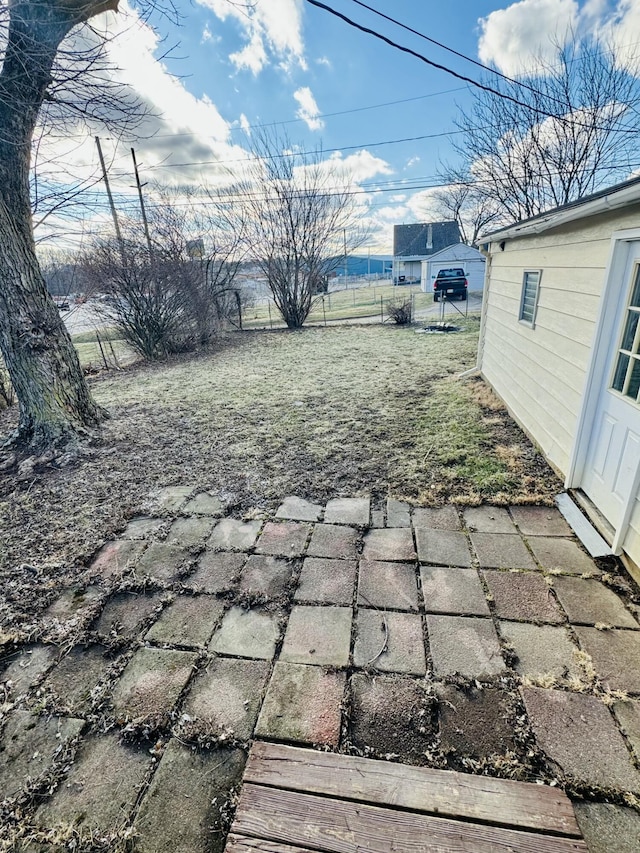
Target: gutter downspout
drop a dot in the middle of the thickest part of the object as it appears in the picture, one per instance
(474, 371)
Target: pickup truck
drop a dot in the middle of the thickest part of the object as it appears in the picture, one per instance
(450, 283)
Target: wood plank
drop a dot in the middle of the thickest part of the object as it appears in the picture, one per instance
(444, 792)
(334, 826)
(243, 844)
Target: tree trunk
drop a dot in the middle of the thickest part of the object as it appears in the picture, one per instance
(55, 403)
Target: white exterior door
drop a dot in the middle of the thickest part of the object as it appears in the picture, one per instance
(613, 455)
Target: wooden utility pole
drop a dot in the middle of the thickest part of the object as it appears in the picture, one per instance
(111, 204)
(140, 196)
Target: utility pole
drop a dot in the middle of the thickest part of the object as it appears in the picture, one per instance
(111, 204)
(144, 213)
(344, 234)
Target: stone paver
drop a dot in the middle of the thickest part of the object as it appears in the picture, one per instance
(189, 621)
(126, 613)
(387, 585)
(142, 527)
(182, 811)
(152, 682)
(398, 513)
(190, 532)
(204, 503)
(326, 581)
(228, 694)
(502, 551)
(117, 557)
(464, 645)
(488, 519)
(377, 518)
(283, 539)
(578, 733)
(394, 543)
(163, 562)
(229, 534)
(523, 595)
(247, 633)
(217, 571)
(542, 651)
(475, 722)
(75, 604)
(540, 521)
(397, 648)
(318, 635)
(298, 509)
(302, 705)
(590, 602)
(334, 541)
(26, 667)
(78, 673)
(28, 747)
(101, 788)
(607, 828)
(562, 555)
(453, 590)
(438, 518)
(628, 715)
(171, 498)
(266, 575)
(353, 511)
(443, 547)
(615, 656)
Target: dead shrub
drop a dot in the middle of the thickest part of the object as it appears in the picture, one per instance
(400, 312)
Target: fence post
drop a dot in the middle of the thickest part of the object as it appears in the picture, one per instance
(239, 304)
(381, 310)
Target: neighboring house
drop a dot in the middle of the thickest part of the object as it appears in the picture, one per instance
(412, 244)
(459, 255)
(560, 344)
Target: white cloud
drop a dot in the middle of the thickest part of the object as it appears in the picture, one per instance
(244, 124)
(621, 31)
(252, 57)
(412, 161)
(308, 109)
(323, 60)
(362, 165)
(207, 35)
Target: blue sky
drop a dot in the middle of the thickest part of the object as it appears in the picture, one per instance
(241, 65)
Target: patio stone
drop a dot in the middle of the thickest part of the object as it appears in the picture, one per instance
(266, 575)
(589, 602)
(229, 534)
(615, 656)
(117, 556)
(188, 621)
(302, 705)
(377, 518)
(542, 651)
(190, 532)
(447, 590)
(578, 734)
(182, 811)
(607, 828)
(101, 788)
(524, 596)
(77, 674)
(204, 503)
(326, 581)
(387, 585)
(318, 635)
(399, 648)
(75, 604)
(28, 747)
(27, 667)
(353, 511)
(152, 682)
(627, 713)
(540, 521)
(398, 513)
(171, 498)
(283, 539)
(394, 543)
(391, 715)
(438, 518)
(228, 694)
(142, 527)
(298, 509)
(502, 551)
(334, 541)
(475, 722)
(464, 645)
(443, 547)
(488, 519)
(163, 562)
(217, 571)
(563, 555)
(126, 614)
(247, 633)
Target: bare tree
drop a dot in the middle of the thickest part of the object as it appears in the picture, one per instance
(301, 219)
(569, 128)
(461, 200)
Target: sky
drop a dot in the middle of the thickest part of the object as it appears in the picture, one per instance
(231, 66)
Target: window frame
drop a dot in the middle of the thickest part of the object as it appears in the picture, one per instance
(531, 323)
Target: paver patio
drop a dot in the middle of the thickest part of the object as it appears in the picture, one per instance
(441, 637)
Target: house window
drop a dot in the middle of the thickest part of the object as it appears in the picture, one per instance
(626, 374)
(529, 300)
